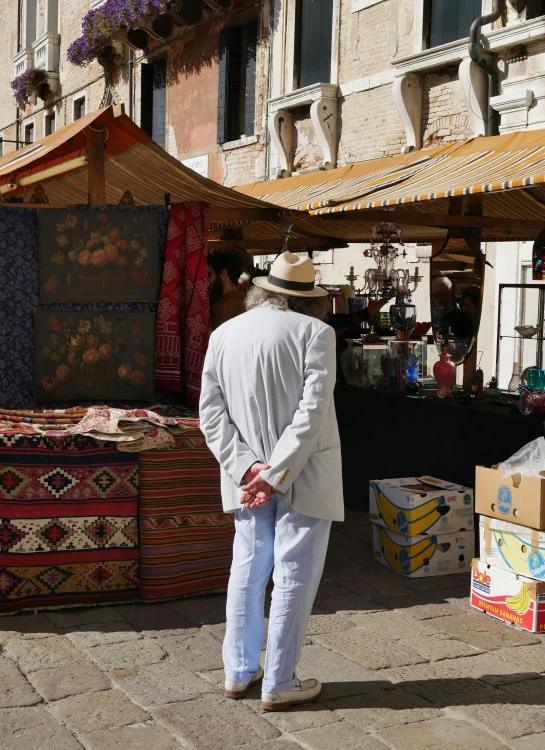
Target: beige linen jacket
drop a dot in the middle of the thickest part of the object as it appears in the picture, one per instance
(267, 396)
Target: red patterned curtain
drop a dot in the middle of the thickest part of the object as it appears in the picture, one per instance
(183, 315)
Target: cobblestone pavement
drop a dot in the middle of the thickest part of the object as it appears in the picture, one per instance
(406, 665)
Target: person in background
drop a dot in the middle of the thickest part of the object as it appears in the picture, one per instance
(226, 299)
(454, 319)
(268, 415)
(248, 268)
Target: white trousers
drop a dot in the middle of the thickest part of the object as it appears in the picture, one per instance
(270, 536)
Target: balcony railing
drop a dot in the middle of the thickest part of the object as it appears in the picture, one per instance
(22, 61)
(46, 51)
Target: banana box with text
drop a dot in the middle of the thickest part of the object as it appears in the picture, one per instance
(512, 547)
(424, 555)
(508, 596)
(421, 505)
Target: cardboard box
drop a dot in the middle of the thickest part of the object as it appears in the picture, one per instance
(508, 596)
(518, 499)
(512, 547)
(420, 556)
(421, 505)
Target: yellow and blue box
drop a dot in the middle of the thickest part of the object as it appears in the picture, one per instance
(421, 505)
(509, 546)
(424, 555)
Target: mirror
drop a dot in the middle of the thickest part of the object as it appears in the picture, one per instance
(456, 294)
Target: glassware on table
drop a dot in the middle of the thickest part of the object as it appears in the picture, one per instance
(403, 316)
(515, 378)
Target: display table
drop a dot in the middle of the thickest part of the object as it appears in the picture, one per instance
(389, 435)
(186, 540)
(69, 533)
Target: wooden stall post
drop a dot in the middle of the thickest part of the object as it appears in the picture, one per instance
(95, 167)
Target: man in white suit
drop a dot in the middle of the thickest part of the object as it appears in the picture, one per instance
(268, 415)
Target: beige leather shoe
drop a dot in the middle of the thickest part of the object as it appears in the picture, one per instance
(304, 692)
(238, 690)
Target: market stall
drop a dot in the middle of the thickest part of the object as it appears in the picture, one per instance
(103, 241)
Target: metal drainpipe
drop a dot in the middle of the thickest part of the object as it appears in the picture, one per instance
(483, 62)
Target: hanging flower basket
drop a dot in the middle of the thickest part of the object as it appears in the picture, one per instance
(102, 24)
(31, 83)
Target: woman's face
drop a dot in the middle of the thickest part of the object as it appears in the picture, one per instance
(469, 309)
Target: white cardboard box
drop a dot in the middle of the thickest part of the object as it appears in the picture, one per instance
(420, 556)
(508, 596)
(512, 547)
(421, 505)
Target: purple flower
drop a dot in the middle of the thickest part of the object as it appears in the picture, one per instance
(100, 24)
(26, 84)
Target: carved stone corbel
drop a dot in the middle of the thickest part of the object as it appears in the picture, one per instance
(474, 83)
(407, 93)
(323, 113)
(281, 132)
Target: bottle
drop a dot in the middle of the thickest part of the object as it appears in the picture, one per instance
(444, 372)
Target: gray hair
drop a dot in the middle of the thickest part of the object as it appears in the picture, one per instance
(315, 307)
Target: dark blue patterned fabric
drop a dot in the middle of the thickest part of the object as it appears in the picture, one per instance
(19, 296)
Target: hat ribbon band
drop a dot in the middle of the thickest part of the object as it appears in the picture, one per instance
(295, 286)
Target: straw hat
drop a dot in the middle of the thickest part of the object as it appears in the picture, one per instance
(292, 275)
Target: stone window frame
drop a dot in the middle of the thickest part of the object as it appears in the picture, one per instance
(358, 5)
(408, 71)
(77, 98)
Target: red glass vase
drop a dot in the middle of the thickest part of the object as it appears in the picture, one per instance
(444, 372)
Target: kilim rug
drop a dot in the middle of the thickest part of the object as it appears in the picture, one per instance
(185, 539)
(68, 531)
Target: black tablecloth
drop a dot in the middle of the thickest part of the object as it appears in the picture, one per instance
(385, 435)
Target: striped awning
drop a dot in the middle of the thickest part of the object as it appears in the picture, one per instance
(507, 172)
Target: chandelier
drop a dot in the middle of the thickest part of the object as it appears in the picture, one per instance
(386, 278)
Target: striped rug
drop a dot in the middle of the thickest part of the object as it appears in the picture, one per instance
(185, 538)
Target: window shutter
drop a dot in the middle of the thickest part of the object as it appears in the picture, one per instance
(315, 45)
(451, 20)
(249, 99)
(535, 9)
(159, 117)
(146, 98)
(222, 87)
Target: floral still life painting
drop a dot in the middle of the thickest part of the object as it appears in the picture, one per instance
(88, 356)
(98, 256)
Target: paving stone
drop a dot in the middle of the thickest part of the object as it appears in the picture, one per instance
(14, 688)
(127, 654)
(95, 711)
(367, 584)
(431, 610)
(451, 691)
(26, 626)
(506, 719)
(340, 677)
(505, 666)
(342, 735)
(393, 626)
(42, 653)
(530, 692)
(158, 684)
(364, 648)
(72, 679)
(526, 658)
(305, 717)
(534, 742)
(445, 670)
(155, 621)
(210, 722)
(348, 604)
(443, 733)
(322, 623)
(328, 588)
(483, 631)
(201, 610)
(272, 745)
(69, 618)
(134, 738)
(383, 708)
(33, 729)
(439, 647)
(101, 634)
(200, 652)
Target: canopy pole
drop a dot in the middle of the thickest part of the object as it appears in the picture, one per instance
(95, 167)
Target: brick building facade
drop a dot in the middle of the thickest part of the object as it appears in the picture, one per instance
(259, 89)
